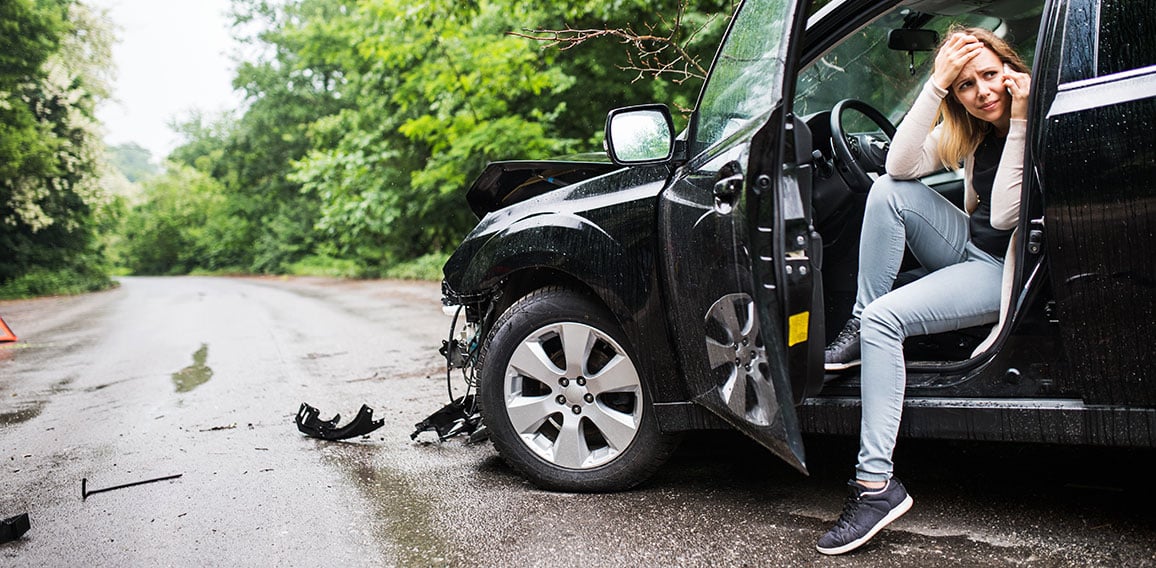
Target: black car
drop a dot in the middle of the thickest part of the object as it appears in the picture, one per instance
(692, 281)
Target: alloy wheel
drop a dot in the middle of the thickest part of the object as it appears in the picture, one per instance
(573, 395)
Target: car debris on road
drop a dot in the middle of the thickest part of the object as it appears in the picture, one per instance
(13, 528)
(361, 425)
(462, 416)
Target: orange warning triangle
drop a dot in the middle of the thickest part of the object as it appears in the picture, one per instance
(6, 334)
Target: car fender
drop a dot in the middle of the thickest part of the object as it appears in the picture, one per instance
(562, 242)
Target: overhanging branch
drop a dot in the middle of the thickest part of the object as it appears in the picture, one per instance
(653, 53)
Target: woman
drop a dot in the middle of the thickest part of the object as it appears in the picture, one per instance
(976, 100)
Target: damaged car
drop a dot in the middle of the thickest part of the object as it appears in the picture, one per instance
(687, 281)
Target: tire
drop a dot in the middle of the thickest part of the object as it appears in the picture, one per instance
(585, 426)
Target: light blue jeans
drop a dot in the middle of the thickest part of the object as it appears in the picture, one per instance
(962, 290)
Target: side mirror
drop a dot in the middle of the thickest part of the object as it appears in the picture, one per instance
(640, 135)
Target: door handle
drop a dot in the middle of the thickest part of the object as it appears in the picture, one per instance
(727, 188)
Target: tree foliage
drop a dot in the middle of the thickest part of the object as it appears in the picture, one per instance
(182, 224)
(134, 161)
(365, 121)
(54, 58)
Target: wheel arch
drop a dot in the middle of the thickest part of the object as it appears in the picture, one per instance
(524, 281)
(565, 250)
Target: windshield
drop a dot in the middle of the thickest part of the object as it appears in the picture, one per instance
(863, 67)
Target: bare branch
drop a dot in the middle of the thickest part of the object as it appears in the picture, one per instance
(653, 53)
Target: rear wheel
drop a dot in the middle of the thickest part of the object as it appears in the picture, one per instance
(563, 399)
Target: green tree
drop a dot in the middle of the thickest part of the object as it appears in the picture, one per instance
(442, 89)
(289, 86)
(134, 161)
(181, 224)
(365, 121)
(54, 60)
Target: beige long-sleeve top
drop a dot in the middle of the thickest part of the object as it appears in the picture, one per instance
(913, 154)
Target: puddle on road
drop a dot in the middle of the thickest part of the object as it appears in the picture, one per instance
(23, 415)
(404, 517)
(196, 374)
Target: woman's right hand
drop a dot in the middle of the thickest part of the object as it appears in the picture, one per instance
(956, 52)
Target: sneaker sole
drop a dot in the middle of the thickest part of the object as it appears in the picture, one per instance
(841, 366)
(895, 513)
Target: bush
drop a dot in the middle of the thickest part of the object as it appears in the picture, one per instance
(44, 282)
(322, 265)
(428, 267)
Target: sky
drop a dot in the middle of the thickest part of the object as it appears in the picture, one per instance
(171, 57)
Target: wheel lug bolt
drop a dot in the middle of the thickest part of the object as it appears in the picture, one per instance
(564, 382)
(561, 400)
(577, 409)
(589, 398)
(581, 381)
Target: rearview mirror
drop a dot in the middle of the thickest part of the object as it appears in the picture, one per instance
(912, 40)
(640, 134)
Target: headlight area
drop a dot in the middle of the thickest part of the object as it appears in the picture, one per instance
(471, 315)
(460, 348)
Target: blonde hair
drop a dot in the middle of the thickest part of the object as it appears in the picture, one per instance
(963, 132)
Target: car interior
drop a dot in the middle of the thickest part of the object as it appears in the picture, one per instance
(851, 95)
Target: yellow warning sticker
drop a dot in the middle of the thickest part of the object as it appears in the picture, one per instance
(799, 323)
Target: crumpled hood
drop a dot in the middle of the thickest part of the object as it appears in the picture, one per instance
(503, 184)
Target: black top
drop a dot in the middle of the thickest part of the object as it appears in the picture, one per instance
(989, 239)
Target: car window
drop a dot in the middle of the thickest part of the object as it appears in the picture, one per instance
(1105, 37)
(746, 79)
(1127, 33)
(1079, 42)
(862, 67)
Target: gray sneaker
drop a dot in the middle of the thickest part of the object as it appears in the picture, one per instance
(865, 512)
(843, 352)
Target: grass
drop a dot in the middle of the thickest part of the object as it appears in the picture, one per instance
(320, 265)
(59, 282)
(428, 267)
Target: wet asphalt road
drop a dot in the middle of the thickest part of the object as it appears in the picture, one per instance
(202, 377)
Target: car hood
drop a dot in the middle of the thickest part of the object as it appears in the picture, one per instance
(503, 184)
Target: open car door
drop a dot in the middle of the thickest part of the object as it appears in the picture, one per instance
(738, 284)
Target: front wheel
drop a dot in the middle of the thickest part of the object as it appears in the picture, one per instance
(563, 399)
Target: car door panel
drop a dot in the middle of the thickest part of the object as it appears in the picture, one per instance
(732, 342)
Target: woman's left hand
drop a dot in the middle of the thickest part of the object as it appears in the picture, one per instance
(1018, 85)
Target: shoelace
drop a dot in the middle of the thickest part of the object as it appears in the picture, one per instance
(845, 336)
(850, 507)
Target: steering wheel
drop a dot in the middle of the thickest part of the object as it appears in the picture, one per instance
(856, 155)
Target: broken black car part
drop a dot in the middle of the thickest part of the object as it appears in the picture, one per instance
(13, 528)
(460, 349)
(310, 425)
(458, 417)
